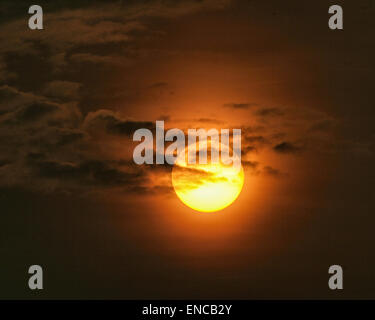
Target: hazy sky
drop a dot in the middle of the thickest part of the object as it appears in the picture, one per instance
(73, 201)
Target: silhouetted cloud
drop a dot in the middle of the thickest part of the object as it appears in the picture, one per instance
(93, 172)
(113, 124)
(209, 120)
(286, 147)
(256, 139)
(69, 136)
(268, 112)
(268, 170)
(239, 105)
(64, 90)
(191, 178)
(4, 162)
(164, 117)
(35, 111)
(249, 149)
(250, 164)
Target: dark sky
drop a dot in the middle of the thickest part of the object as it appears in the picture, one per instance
(73, 201)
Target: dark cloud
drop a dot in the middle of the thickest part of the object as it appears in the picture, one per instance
(268, 112)
(151, 190)
(7, 93)
(252, 129)
(63, 90)
(94, 172)
(10, 98)
(286, 147)
(253, 143)
(240, 105)
(27, 110)
(250, 164)
(191, 178)
(4, 162)
(249, 149)
(256, 139)
(36, 111)
(113, 124)
(48, 143)
(269, 171)
(209, 120)
(68, 137)
(164, 117)
(128, 127)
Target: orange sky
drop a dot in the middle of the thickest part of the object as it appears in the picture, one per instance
(72, 96)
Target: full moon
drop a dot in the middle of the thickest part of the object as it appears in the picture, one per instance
(206, 187)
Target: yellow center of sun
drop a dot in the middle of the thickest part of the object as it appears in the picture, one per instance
(206, 187)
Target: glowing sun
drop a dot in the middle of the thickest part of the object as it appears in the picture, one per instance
(206, 187)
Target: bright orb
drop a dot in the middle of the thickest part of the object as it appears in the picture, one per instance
(206, 187)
